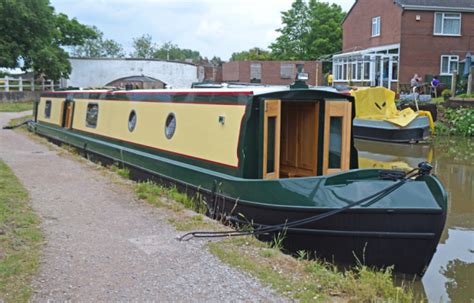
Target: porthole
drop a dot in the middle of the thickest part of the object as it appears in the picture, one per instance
(132, 121)
(170, 125)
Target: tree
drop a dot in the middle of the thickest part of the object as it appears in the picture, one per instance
(144, 47)
(252, 54)
(309, 31)
(325, 36)
(32, 36)
(99, 47)
(293, 39)
(170, 51)
(216, 61)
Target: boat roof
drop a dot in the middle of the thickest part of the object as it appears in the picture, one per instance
(194, 91)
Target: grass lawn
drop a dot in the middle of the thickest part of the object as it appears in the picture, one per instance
(20, 239)
(16, 107)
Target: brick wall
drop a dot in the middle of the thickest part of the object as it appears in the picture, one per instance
(357, 27)
(420, 50)
(240, 71)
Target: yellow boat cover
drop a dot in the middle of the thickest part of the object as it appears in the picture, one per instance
(378, 103)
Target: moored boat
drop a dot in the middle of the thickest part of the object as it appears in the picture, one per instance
(377, 118)
(270, 156)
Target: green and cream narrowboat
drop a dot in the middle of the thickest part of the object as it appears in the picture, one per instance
(274, 156)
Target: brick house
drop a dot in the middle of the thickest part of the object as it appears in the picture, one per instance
(386, 42)
(271, 72)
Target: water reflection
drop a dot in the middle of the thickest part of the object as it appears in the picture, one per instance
(450, 276)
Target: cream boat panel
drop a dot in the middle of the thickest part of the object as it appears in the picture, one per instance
(198, 131)
(56, 110)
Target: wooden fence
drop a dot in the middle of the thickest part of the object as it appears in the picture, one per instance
(10, 84)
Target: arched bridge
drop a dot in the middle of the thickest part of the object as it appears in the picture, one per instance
(97, 72)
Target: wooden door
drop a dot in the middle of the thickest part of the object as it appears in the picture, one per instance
(337, 136)
(271, 139)
(68, 114)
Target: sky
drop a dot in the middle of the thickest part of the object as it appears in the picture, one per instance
(212, 27)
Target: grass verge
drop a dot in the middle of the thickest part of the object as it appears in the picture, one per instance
(20, 120)
(309, 280)
(20, 239)
(16, 106)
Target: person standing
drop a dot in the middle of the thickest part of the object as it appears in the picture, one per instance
(434, 86)
(330, 79)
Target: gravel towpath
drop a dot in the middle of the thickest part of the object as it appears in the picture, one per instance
(105, 245)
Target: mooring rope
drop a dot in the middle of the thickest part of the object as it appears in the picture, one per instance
(17, 125)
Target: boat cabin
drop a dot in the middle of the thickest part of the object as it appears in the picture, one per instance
(251, 133)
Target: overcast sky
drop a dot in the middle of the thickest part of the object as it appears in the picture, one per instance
(212, 27)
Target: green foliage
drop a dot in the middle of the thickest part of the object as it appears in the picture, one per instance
(170, 51)
(99, 47)
(309, 31)
(252, 54)
(124, 172)
(292, 44)
(146, 48)
(466, 96)
(20, 239)
(216, 61)
(458, 121)
(446, 93)
(32, 33)
(154, 193)
(308, 280)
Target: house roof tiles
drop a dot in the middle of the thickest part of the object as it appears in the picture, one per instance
(427, 4)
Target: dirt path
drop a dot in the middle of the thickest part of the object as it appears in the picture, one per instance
(104, 245)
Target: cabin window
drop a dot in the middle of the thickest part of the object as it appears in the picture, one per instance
(335, 142)
(92, 115)
(132, 121)
(47, 109)
(271, 145)
(170, 125)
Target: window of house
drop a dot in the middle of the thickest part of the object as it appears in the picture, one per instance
(92, 115)
(47, 109)
(354, 71)
(255, 72)
(449, 64)
(359, 70)
(286, 71)
(376, 26)
(394, 69)
(447, 24)
(366, 67)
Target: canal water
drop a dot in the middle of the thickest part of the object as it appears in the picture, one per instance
(450, 276)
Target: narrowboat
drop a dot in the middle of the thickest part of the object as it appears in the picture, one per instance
(280, 159)
(377, 118)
